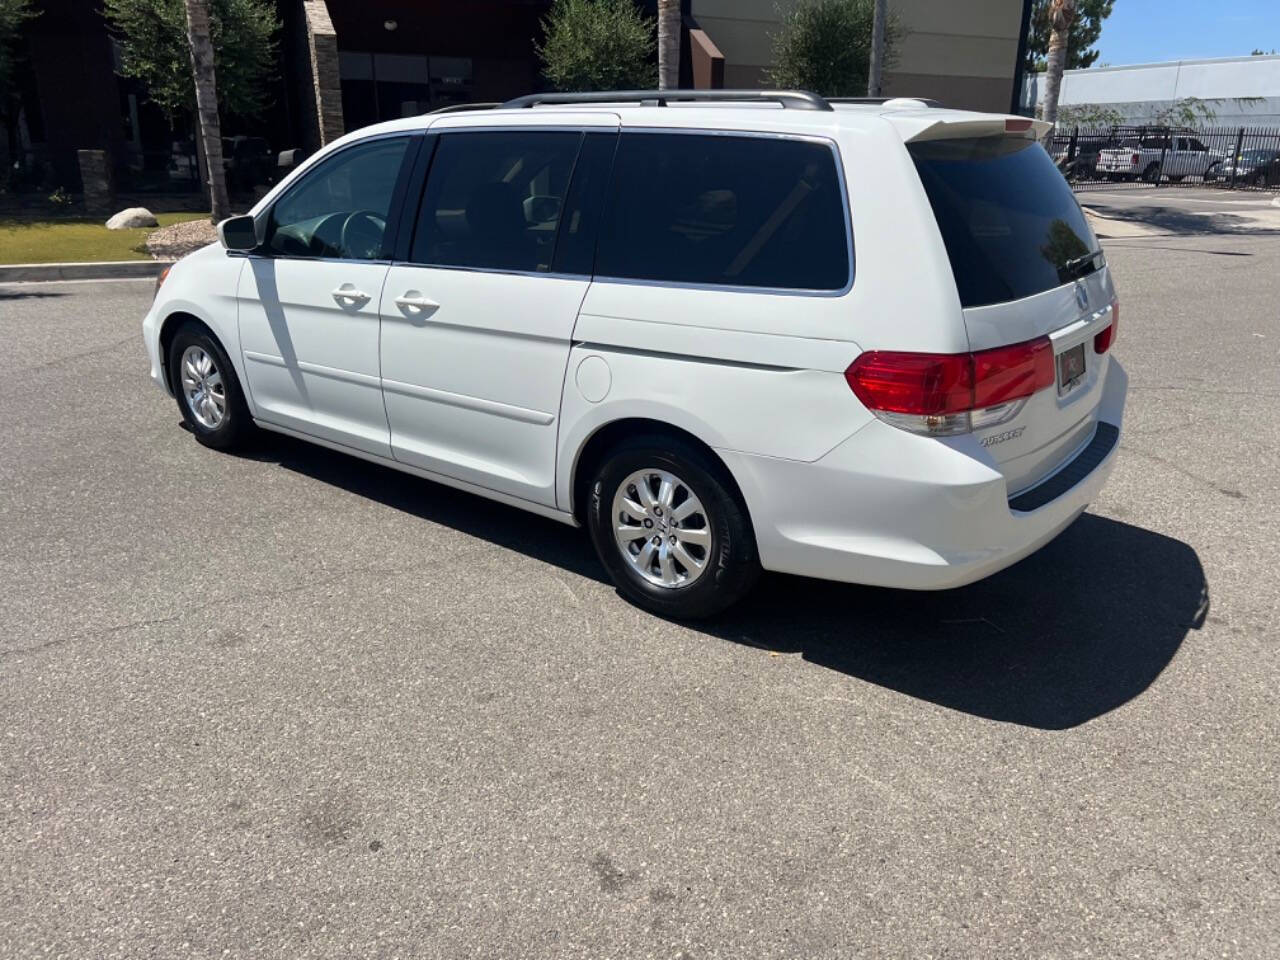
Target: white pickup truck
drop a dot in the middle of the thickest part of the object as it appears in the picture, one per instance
(1155, 156)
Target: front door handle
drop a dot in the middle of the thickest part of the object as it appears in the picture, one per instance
(413, 300)
(347, 293)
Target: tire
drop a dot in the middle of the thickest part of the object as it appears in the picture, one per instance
(661, 579)
(208, 391)
(1152, 173)
(1173, 179)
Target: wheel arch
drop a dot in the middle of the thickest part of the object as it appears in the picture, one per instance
(609, 435)
(169, 327)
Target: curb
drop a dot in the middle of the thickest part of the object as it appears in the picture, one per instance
(111, 270)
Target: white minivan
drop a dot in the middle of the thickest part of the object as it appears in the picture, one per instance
(726, 331)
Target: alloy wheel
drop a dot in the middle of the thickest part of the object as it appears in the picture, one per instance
(661, 528)
(203, 387)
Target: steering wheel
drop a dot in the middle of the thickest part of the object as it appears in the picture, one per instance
(362, 233)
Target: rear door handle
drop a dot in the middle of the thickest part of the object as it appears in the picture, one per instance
(413, 300)
(347, 293)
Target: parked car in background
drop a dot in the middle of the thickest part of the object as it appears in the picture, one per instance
(1259, 167)
(183, 168)
(1158, 156)
(248, 162)
(1083, 163)
(867, 342)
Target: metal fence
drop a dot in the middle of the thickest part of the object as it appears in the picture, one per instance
(1232, 158)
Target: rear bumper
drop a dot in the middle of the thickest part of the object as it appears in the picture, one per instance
(891, 509)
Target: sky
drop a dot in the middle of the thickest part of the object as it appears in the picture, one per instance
(1149, 31)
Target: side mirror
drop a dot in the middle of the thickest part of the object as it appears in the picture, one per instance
(239, 233)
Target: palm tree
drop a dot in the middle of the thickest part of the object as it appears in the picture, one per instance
(207, 105)
(875, 73)
(1062, 13)
(668, 44)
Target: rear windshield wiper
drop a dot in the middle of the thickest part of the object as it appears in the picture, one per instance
(1081, 266)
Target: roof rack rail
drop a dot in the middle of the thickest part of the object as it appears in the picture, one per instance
(879, 100)
(793, 99)
(460, 107)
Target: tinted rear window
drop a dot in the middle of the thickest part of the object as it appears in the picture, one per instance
(739, 211)
(1010, 222)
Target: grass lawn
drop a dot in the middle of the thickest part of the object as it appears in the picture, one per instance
(76, 241)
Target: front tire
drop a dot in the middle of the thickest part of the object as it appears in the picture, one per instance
(207, 390)
(670, 529)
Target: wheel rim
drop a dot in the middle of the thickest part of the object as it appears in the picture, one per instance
(661, 528)
(203, 387)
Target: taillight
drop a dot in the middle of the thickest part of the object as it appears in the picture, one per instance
(1133, 160)
(1102, 341)
(948, 393)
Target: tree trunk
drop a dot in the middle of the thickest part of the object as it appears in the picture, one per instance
(875, 73)
(210, 130)
(668, 44)
(1061, 15)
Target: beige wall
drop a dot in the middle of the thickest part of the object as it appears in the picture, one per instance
(961, 52)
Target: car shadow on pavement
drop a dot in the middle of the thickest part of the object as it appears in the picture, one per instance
(1182, 222)
(18, 293)
(1075, 630)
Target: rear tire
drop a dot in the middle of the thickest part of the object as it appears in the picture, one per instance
(1152, 173)
(670, 528)
(207, 390)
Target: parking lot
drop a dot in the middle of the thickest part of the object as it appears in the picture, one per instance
(296, 705)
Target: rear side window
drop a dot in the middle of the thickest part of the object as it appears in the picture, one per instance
(1009, 220)
(737, 211)
(493, 200)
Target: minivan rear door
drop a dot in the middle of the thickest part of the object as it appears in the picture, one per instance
(479, 309)
(1026, 265)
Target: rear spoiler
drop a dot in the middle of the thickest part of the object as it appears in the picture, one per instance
(922, 126)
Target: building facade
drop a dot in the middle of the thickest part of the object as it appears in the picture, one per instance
(345, 64)
(1242, 91)
(964, 53)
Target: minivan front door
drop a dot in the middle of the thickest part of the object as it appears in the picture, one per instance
(308, 304)
(476, 328)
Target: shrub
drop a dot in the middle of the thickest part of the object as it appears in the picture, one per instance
(825, 46)
(598, 45)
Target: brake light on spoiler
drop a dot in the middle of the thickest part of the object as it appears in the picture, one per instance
(942, 394)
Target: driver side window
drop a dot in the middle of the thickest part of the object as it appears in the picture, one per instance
(340, 209)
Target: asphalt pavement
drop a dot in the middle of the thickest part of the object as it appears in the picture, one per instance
(291, 704)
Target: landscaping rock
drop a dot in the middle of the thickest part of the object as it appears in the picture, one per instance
(132, 218)
(179, 239)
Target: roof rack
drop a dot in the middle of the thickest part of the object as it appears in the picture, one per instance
(791, 99)
(460, 107)
(881, 100)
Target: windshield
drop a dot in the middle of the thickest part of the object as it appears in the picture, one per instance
(1011, 224)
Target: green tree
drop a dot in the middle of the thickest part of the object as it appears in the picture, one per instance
(155, 48)
(1086, 28)
(825, 46)
(13, 14)
(597, 45)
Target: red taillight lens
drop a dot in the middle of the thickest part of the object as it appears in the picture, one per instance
(1102, 341)
(1010, 373)
(943, 384)
(925, 384)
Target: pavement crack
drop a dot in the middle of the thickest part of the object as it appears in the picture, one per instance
(105, 348)
(1213, 484)
(197, 608)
